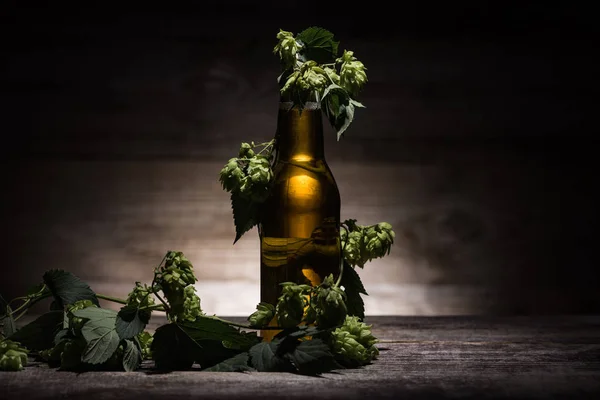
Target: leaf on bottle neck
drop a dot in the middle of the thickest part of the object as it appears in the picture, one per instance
(245, 215)
(339, 108)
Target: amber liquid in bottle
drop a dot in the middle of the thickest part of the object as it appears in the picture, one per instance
(299, 231)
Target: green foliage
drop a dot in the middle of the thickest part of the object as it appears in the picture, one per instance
(362, 244)
(248, 178)
(13, 357)
(311, 70)
(67, 288)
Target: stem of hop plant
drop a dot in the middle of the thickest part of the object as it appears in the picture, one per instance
(267, 145)
(246, 326)
(343, 249)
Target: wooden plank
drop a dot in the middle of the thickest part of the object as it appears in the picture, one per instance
(469, 357)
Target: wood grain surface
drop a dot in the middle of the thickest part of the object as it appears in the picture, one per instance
(420, 358)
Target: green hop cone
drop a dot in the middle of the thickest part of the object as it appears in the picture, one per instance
(140, 296)
(353, 245)
(286, 48)
(378, 240)
(246, 150)
(255, 186)
(290, 305)
(173, 278)
(145, 338)
(332, 75)
(263, 315)
(191, 304)
(76, 323)
(330, 304)
(354, 343)
(231, 175)
(13, 357)
(290, 83)
(352, 73)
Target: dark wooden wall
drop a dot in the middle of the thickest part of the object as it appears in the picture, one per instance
(477, 144)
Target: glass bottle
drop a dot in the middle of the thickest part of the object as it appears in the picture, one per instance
(299, 230)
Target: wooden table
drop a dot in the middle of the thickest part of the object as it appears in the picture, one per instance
(421, 357)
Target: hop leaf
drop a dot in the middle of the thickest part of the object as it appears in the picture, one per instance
(263, 315)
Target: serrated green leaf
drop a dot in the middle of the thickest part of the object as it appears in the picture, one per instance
(313, 357)
(245, 215)
(299, 332)
(60, 335)
(237, 363)
(132, 355)
(318, 45)
(345, 118)
(357, 103)
(131, 321)
(353, 287)
(9, 326)
(39, 334)
(172, 349)
(264, 358)
(99, 333)
(211, 352)
(339, 108)
(68, 288)
(209, 328)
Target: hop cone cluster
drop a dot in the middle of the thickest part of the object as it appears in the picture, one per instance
(13, 357)
(263, 315)
(364, 243)
(329, 304)
(176, 279)
(68, 350)
(248, 175)
(352, 73)
(379, 239)
(309, 77)
(287, 47)
(291, 304)
(140, 296)
(191, 304)
(354, 343)
(145, 339)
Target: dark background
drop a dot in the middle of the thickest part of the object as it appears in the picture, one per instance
(477, 144)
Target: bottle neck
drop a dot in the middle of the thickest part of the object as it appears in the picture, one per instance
(300, 135)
